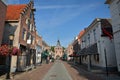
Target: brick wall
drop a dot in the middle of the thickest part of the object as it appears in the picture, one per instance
(3, 8)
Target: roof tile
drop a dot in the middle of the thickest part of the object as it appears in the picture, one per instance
(81, 33)
(13, 11)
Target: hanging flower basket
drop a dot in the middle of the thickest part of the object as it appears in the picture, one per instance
(15, 51)
(6, 50)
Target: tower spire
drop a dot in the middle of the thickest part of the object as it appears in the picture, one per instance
(58, 43)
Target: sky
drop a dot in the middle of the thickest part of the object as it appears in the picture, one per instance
(64, 19)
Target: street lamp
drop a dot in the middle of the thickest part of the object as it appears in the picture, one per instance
(11, 38)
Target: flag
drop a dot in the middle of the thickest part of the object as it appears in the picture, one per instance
(107, 33)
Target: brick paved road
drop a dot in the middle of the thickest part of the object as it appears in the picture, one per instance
(58, 72)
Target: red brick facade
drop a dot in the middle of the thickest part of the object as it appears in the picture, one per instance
(3, 8)
(20, 22)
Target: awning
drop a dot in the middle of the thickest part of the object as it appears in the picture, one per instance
(92, 50)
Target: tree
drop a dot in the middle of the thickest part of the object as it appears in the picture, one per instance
(52, 48)
(63, 48)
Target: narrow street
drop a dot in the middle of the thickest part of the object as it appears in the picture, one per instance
(58, 70)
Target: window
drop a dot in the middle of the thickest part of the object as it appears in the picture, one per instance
(28, 23)
(96, 58)
(89, 39)
(28, 36)
(33, 40)
(31, 27)
(94, 35)
(24, 33)
(31, 15)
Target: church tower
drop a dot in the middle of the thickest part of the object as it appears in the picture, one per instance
(58, 50)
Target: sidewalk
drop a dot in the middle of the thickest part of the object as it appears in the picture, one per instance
(93, 75)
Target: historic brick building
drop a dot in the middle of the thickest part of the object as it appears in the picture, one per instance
(20, 22)
(58, 50)
(3, 9)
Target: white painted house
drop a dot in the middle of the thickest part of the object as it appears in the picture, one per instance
(97, 46)
(114, 6)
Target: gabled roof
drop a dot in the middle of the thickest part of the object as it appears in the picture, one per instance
(13, 11)
(81, 33)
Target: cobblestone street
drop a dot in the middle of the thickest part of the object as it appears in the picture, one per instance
(60, 70)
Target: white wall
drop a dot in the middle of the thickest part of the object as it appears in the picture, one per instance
(106, 44)
(115, 14)
(102, 43)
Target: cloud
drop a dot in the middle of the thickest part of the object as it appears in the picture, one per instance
(61, 16)
(57, 6)
(66, 6)
(12, 1)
